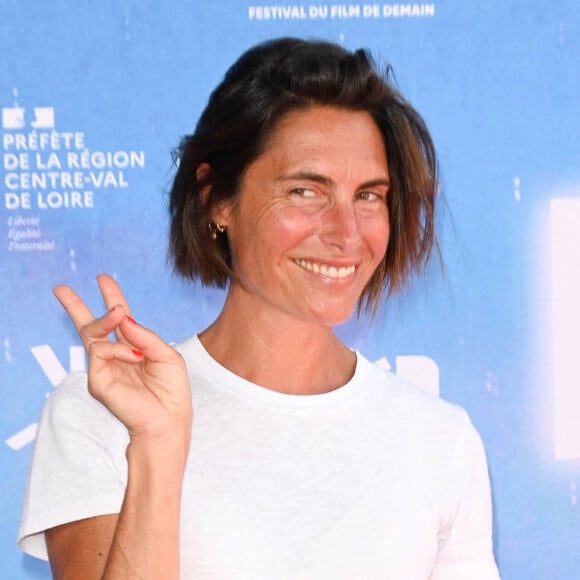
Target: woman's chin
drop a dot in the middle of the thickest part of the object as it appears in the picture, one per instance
(331, 317)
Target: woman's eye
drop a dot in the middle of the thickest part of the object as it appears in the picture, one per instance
(367, 196)
(303, 192)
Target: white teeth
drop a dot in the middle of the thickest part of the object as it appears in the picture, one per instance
(328, 271)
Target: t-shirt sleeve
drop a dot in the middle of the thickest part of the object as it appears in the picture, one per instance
(465, 547)
(78, 467)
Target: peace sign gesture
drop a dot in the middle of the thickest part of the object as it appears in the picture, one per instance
(139, 377)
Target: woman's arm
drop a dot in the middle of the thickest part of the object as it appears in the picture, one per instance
(80, 549)
(140, 542)
(466, 551)
(143, 382)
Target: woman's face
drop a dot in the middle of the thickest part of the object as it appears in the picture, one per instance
(310, 223)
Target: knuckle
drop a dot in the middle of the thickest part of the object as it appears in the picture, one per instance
(93, 348)
(84, 335)
(176, 357)
(94, 390)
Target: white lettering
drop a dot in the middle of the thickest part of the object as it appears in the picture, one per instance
(35, 141)
(408, 10)
(16, 201)
(13, 161)
(371, 11)
(66, 199)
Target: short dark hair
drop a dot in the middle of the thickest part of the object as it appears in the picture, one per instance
(268, 81)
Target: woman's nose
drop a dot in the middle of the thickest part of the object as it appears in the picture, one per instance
(340, 227)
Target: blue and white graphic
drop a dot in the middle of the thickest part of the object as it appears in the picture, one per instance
(565, 229)
(93, 98)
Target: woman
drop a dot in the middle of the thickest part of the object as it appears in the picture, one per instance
(308, 188)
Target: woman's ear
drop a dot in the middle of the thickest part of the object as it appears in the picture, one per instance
(202, 174)
(220, 211)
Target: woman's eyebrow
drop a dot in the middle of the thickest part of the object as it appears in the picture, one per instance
(325, 180)
(307, 176)
(380, 181)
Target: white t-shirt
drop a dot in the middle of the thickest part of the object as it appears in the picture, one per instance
(375, 480)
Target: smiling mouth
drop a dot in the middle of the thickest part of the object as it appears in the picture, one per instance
(328, 271)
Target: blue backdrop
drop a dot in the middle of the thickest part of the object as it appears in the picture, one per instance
(95, 95)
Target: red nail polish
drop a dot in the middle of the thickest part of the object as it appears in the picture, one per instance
(137, 352)
(131, 320)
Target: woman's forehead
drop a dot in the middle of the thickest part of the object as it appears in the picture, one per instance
(320, 130)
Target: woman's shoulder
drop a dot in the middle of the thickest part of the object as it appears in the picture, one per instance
(72, 415)
(71, 399)
(78, 467)
(416, 404)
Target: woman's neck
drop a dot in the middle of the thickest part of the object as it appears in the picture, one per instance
(278, 351)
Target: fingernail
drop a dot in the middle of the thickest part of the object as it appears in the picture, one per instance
(137, 352)
(131, 320)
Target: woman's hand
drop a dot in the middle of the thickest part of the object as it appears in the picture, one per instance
(138, 377)
(143, 382)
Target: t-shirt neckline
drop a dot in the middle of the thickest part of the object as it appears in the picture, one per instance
(200, 361)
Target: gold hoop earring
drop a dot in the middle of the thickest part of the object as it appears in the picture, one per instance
(214, 229)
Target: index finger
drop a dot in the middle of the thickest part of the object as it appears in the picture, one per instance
(78, 311)
(89, 328)
(112, 293)
(113, 296)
